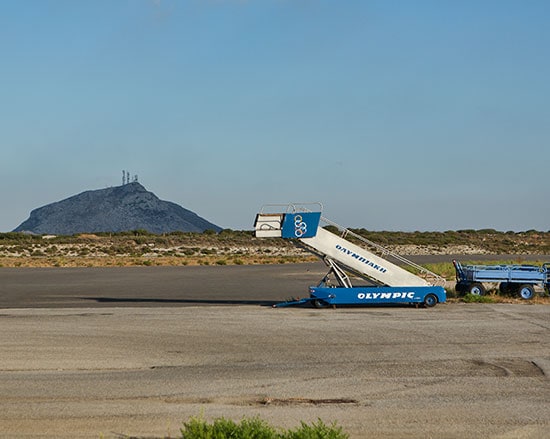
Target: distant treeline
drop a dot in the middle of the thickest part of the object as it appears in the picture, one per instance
(531, 241)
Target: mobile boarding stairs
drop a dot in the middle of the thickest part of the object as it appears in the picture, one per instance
(343, 252)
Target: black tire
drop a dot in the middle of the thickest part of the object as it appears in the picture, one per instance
(477, 289)
(430, 300)
(461, 287)
(526, 291)
(505, 288)
(318, 303)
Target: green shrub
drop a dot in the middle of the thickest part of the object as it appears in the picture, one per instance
(256, 428)
(141, 232)
(221, 428)
(474, 298)
(316, 431)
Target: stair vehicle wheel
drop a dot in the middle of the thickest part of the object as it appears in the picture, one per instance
(526, 291)
(477, 289)
(318, 303)
(430, 300)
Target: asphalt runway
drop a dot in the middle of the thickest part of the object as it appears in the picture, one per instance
(135, 352)
(155, 286)
(170, 286)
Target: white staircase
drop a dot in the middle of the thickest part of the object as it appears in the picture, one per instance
(367, 259)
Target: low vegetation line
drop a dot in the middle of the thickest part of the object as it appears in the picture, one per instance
(198, 428)
(229, 247)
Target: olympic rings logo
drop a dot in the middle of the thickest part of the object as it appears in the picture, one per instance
(300, 227)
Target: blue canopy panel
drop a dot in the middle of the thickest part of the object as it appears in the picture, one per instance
(300, 225)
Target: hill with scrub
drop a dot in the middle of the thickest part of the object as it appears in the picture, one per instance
(115, 209)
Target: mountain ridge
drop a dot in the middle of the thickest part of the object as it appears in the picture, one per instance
(114, 209)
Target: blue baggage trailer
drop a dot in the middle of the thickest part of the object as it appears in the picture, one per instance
(512, 279)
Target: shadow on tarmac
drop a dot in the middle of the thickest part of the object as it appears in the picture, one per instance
(121, 300)
(210, 302)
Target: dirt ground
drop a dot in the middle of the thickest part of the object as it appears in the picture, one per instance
(455, 371)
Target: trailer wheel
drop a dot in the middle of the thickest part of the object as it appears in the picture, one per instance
(430, 300)
(318, 303)
(461, 287)
(477, 289)
(505, 288)
(526, 291)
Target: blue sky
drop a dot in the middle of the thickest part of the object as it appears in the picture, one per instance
(396, 115)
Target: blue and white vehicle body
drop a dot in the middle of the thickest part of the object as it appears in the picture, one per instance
(376, 295)
(345, 251)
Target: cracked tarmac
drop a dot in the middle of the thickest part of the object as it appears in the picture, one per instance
(455, 371)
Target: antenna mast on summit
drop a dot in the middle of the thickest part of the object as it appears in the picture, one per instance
(126, 178)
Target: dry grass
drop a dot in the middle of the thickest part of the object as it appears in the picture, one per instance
(139, 248)
(140, 261)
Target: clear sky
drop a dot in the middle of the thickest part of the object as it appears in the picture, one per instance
(396, 115)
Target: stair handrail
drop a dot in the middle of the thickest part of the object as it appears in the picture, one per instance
(383, 251)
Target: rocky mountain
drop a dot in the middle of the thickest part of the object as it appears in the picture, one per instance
(115, 209)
